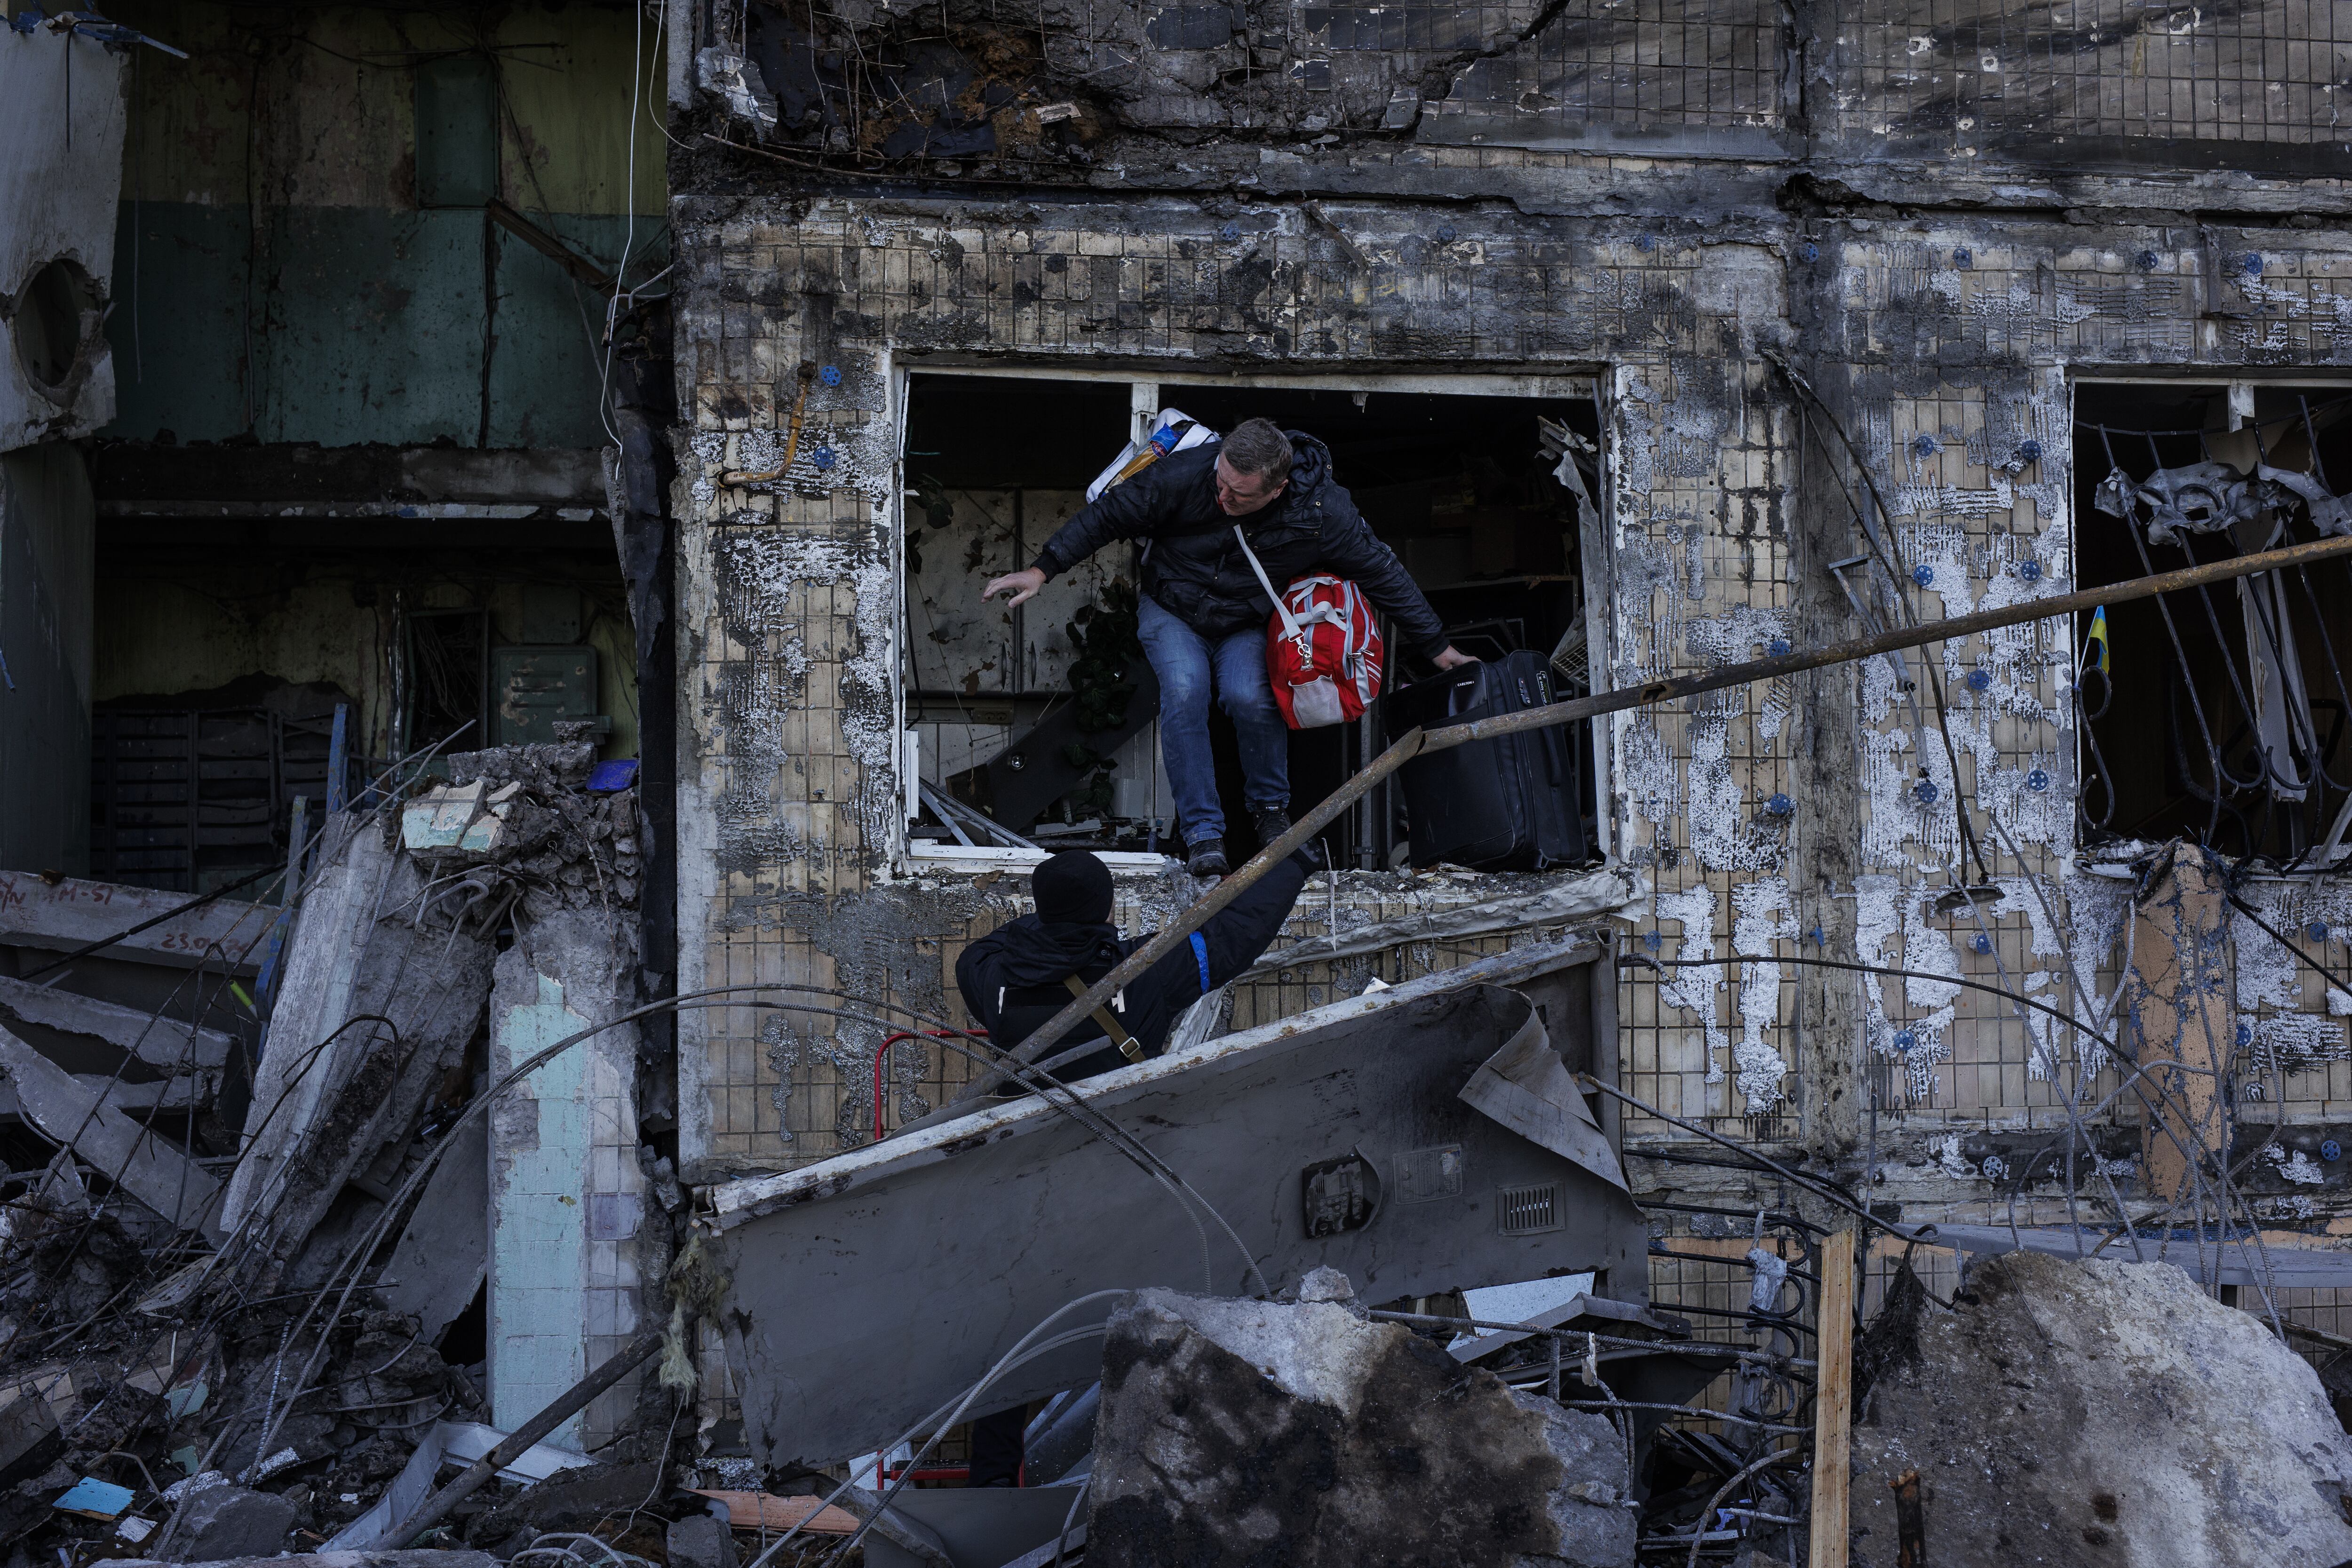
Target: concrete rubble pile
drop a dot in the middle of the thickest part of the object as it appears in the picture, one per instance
(1324, 1438)
(2064, 1412)
(253, 1206)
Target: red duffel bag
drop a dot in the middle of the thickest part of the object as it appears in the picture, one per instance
(1322, 647)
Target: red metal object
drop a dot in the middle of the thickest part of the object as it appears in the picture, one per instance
(879, 1131)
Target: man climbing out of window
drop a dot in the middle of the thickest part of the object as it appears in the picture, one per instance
(1204, 616)
(1028, 969)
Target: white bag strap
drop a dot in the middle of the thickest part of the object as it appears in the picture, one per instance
(1289, 621)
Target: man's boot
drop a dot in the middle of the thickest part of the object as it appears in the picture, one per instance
(1273, 824)
(1207, 858)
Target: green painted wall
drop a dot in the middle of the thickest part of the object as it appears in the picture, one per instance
(276, 275)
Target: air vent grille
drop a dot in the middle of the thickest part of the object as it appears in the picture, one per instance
(1526, 1211)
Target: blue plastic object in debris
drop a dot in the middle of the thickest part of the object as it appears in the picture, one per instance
(2245, 1035)
(1653, 940)
(2029, 570)
(1982, 943)
(2037, 781)
(1963, 258)
(2318, 931)
(98, 1499)
(1925, 445)
(2029, 451)
(2330, 1150)
(1923, 575)
(1904, 1039)
(1779, 805)
(1979, 681)
(24, 21)
(830, 376)
(1926, 790)
(609, 778)
(1778, 648)
(822, 458)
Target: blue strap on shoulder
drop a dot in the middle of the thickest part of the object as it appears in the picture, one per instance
(1200, 956)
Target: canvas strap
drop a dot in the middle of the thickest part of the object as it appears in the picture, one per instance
(1109, 1021)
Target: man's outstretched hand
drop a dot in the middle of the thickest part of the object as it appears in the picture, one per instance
(1021, 586)
(1452, 658)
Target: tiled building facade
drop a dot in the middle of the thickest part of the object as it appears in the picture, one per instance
(1837, 287)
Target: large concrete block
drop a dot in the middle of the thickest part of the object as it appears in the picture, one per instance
(2089, 1412)
(229, 1521)
(1239, 1431)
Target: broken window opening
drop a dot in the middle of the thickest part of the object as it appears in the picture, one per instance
(2219, 715)
(448, 684)
(1462, 484)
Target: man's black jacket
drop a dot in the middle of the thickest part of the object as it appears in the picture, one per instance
(1198, 573)
(1011, 978)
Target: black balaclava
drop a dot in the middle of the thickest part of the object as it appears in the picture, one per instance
(1072, 888)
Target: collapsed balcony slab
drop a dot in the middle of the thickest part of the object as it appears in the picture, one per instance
(868, 1287)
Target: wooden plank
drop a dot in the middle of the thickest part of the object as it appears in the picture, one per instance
(1834, 1406)
(2183, 1010)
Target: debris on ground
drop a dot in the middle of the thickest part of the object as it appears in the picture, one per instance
(241, 1309)
(1309, 1434)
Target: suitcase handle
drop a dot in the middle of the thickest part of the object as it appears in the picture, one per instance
(1555, 750)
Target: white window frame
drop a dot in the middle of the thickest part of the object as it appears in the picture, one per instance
(1145, 391)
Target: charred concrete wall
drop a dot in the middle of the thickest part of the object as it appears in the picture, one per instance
(1790, 249)
(303, 253)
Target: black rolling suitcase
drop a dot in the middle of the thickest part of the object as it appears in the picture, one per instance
(1509, 803)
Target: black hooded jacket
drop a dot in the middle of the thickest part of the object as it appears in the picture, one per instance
(1198, 573)
(1011, 978)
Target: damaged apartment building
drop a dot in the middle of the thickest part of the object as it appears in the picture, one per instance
(502, 750)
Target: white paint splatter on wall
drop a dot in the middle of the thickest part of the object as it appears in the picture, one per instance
(1763, 916)
(1694, 989)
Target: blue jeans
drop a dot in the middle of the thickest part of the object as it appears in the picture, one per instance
(1187, 664)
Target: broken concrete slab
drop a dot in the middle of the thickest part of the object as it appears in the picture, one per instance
(223, 1522)
(444, 1252)
(60, 916)
(452, 1443)
(574, 1499)
(158, 1041)
(1534, 900)
(456, 824)
(2093, 1412)
(1332, 1139)
(1240, 1431)
(378, 1004)
(699, 1540)
(136, 1160)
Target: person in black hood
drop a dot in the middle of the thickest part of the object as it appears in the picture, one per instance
(1020, 974)
(1026, 970)
(1202, 615)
